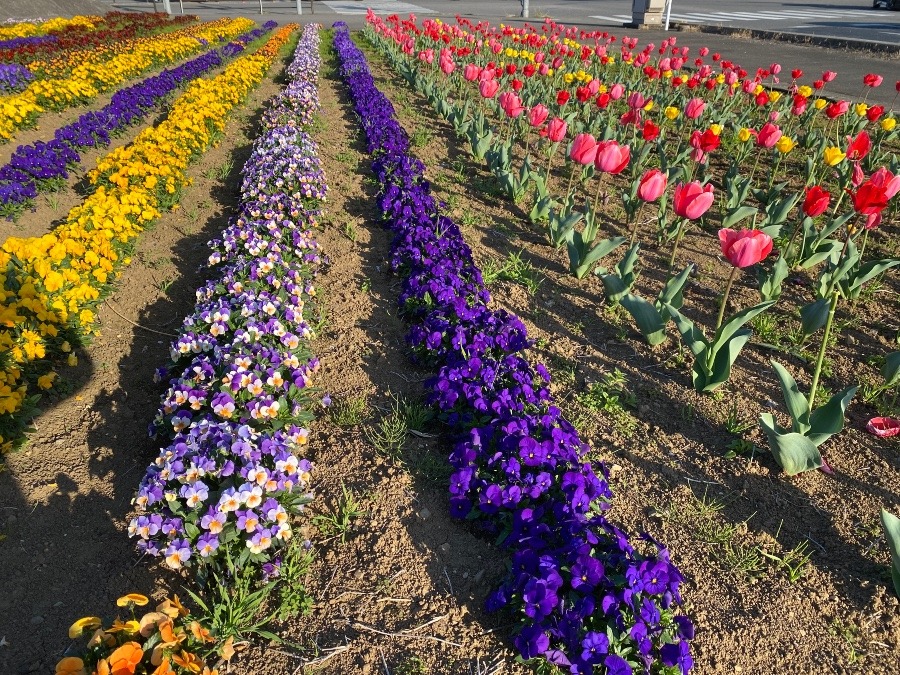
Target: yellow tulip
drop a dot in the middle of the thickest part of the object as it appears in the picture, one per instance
(820, 103)
(861, 109)
(833, 156)
(671, 112)
(888, 123)
(744, 135)
(785, 144)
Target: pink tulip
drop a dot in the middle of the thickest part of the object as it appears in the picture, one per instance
(471, 72)
(488, 88)
(593, 87)
(511, 104)
(694, 108)
(636, 100)
(447, 65)
(538, 115)
(539, 57)
(652, 185)
(768, 136)
(744, 248)
(544, 69)
(486, 74)
(556, 129)
(828, 76)
(584, 149)
(692, 200)
(611, 157)
(616, 91)
(748, 86)
(731, 78)
(891, 183)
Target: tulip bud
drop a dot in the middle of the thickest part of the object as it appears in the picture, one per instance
(652, 185)
(745, 247)
(584, 149)
(692, 200)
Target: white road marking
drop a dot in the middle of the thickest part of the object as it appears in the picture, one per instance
(377, 6)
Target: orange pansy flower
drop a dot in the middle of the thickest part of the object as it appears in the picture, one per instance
(125, 659)
(71, 665)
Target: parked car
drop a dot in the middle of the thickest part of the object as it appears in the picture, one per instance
(886, 4)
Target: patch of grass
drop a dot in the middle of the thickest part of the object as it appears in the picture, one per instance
(849, 635)
(738, 446)
(735, 423)
(416, 415)
(433, 467)
(412, 666)
(165, 285)
(224, 169)
(389, 435)
(518, 271)
(610, 396)
(742, 558)
(421, 137)
(792, 562)
(468, 218)
(339, 523)
(350, 412)
(53, 200)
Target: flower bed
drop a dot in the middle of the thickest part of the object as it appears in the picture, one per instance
(584, 596)
(43, 165)
(96, 72)
(228, 481)
(54, 282)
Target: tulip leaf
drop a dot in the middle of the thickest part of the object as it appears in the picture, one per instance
(770, 282)
(723, 359)
(795, 453)
(647, 318)
(835, 224)
(692, 336)
(735, 216)
(814, 315)
(890, 371)
(824, 250)
(870, 270)
(673, 292)
(827, 420)
(794, 401)
(602, 249)
(731, 326)
(891, 525)
(614, 288)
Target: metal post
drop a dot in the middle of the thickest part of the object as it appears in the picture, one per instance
(260, 7)
(668, 12)
(525, 9)
(300, 7)
(181, 4)
(167, 7)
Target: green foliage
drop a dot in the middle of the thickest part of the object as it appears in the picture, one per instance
(339, 523)
(389, 434)
(611, 396)
(891, 525)
(349, 412)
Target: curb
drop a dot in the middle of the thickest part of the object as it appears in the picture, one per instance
(795, 38)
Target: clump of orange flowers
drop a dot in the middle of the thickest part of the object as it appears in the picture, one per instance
(167, 641)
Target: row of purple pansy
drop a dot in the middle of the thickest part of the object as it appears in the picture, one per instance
(586, 598)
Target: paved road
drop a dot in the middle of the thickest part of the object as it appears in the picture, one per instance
(836, 18)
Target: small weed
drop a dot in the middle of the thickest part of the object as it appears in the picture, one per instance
(346, 157)
(365, 285)
(793, 562)
(192, 214)
(563, 368)
(53, 200)
(452, 201)
(734, 423)
(204, 203)
(746, 559)
(338, 524)
(433, 467)
(350, 231)
(576, 327)
(687, 412)
(514, 269)
(611, 396)
(738, 446)
(468, 219)
(389, 435)
(415, 414)
(412, 666)
(823, 393)
(165, 285)
(224, 169)
(349, 412)
(850, 636)
(421, 137)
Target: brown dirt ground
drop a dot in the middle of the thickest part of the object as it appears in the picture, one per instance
(405, 568)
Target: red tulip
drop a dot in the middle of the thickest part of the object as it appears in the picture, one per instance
(556, 129)
(611, 157)
(816, 202)
(707, 141)
(538, 115)
(562, 98)
(692, 200)
(762, 98)
(869, 198)
(837, 109)
(829, 75)
(872, 80)
(745, 247)
(652, 185)
(874, 113)
(768, 136)
(584, 149)
(858, 147)
(694, 108)
(488, 88)
(818, 84)
(796, 73)
(884, 426)
(891, 183)
(650, 132)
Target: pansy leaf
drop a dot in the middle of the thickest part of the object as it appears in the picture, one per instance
(828, 419)
(891, 524)
(794, 401)
(795, 453)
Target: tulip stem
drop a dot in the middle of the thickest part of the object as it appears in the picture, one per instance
(597, 194)
(678, 235)
(725, 297)
(549, 164)
(820, 359)
(637, 220)
(571, 178)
